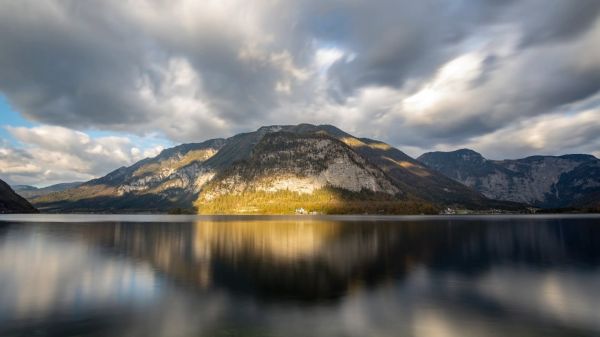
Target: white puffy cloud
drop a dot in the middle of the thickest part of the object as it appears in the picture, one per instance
(52, 154)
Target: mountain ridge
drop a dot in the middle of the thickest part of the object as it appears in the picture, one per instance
(179, 177)
(30, 192)
(571, 180)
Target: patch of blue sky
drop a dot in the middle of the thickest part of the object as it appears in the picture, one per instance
(10, 117)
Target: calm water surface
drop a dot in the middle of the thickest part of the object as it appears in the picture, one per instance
(303, 276)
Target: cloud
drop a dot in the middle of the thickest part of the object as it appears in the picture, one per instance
(52, 154)
(498, 85)
(548, 134)
(560, 20)
(106, 66)
(419, 74)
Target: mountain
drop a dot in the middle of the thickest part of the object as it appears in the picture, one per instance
(407, 173)
(31, 192)
(274, 169)
(288, 171)
(542, 181)
(170, 180)
(11, 202)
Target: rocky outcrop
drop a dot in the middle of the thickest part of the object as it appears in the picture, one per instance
(543, 181)
(303, 164)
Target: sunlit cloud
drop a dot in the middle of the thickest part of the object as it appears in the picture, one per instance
(54, 154)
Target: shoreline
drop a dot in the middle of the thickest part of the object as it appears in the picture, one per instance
(71, 217)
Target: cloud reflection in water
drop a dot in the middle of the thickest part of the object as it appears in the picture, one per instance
(299, 278)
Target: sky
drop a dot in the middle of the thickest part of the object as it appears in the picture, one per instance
(89, 86)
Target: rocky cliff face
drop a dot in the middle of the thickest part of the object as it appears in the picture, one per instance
(543, 181)
(11, 202)
(303, 164)
(299, 159)
(286, 172)
(412, 177)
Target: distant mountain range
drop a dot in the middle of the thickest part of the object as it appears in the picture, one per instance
(30, 192)
(286, 169)
(11, 202)
(542, 181)
(275, 169)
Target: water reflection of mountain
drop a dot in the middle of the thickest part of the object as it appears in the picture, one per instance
(312, 260)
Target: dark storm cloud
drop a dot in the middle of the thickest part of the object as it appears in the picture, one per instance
(395, 41)
(193, 70)
(399, 40)
(69, 67)
(83, 65)
(551, 20)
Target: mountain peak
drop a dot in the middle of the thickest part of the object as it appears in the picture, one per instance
(271, 128)
(466, 150)
(461, 154)
(303, 128)
(468, 154)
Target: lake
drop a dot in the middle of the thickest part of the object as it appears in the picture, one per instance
(436, 276)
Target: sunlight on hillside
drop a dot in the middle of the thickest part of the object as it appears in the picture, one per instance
(416, 169)
(355, 142)
(175, 164)
(321, 201)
